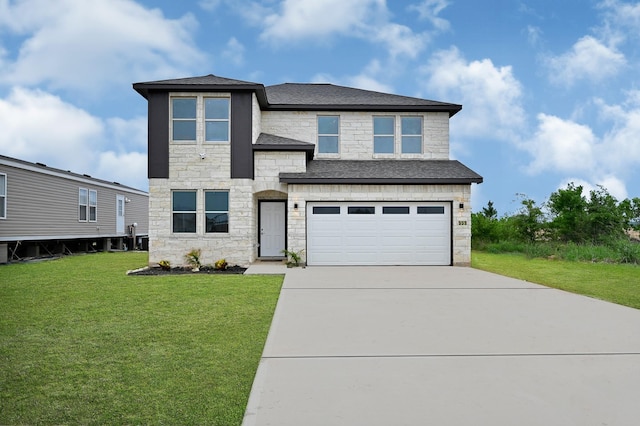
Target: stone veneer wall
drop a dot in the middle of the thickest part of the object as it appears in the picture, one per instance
(301, 194)
(356, 132)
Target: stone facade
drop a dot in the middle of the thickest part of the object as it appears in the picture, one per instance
(356, 133)
(457, 194)
(202, 166)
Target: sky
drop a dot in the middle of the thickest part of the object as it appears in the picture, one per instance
(550, 89)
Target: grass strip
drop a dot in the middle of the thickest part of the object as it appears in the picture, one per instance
(82, 343)
(617, 283)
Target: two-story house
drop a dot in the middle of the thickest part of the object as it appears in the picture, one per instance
(343, 175)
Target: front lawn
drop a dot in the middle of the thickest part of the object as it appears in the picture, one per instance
(82, 343)
(618, 283)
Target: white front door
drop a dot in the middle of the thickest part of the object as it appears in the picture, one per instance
(272, 228)
(119, 214)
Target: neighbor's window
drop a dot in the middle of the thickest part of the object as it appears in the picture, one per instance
(3, 196)
(183, 206)
(83, 201)
(216, 117)
(411, 135)
(216, 211)
(328, 134)
(383, 135)
(183, 114)
(93, 205)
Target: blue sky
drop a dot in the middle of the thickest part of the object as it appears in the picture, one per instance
(550, 89)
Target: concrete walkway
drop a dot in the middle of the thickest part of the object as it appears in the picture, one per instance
(443, 346)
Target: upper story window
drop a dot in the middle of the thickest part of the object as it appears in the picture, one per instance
(83, 200)
(3, 196)
(216, 117)
(384, 135)
(216, 211)
(199, 118)
(183, 207)
(183, 115)
(411, 135)
(328, 134)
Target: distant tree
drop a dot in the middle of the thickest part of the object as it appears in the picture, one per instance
(529, 220)
(490, 212)
(605, 217)
(568, 209)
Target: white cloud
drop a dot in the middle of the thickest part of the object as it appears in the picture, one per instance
(400, 40)
(84, 45)
(533, 35)
(561, 145)
(209, 5)
(429, 10)
(40, 127)
(298, 21)
(368, 79)
(621, 148)
(621, 19)
(234, 52)
(490, 95)
(589, 59)
(312, 18)
(612, 184)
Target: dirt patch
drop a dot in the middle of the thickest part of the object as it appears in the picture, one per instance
(181, 270)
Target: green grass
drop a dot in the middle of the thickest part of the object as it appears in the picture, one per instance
(82, 343)
(618, 283)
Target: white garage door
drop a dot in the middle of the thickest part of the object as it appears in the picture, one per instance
(380, 233)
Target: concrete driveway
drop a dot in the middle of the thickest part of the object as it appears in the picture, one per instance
(443, 346)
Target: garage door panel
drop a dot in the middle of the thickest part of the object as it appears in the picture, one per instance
(391, 238)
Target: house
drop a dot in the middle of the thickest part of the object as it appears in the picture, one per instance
(46, 211)
(340, 175)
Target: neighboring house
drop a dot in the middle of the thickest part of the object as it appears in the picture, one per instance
(45, 211)
(344, 176)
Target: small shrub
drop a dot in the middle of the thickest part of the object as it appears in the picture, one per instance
(220, 265)
(294, 257)
(165, 265)
(193, 259)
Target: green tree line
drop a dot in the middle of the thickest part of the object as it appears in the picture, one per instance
(569, 218)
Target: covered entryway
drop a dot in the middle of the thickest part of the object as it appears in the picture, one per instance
(272, 228)
(379, 233)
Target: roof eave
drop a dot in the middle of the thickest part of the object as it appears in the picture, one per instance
(451, 109)
(380, 181)
(308, 149)
(144, 89)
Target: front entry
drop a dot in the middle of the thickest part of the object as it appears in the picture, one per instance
(120, 214)
(272, 228)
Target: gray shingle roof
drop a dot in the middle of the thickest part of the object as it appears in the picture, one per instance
(321, 96)
(302, 96)
(205, 82)
(384, 172)
(268, 142)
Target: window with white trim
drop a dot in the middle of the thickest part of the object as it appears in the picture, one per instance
(183, 211)
(216, 119)
(411, 130)
(83, 204)
(328, 134)
(216, 211)
(183, 119)
(384, 139)
(3, 196)
(93, 205)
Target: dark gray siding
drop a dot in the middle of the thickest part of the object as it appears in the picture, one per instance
(42, 206)
(158, 152)
(241, 144)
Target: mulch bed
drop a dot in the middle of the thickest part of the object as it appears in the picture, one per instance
(181, 270)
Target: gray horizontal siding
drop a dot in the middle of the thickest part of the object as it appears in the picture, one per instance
(41, 205)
